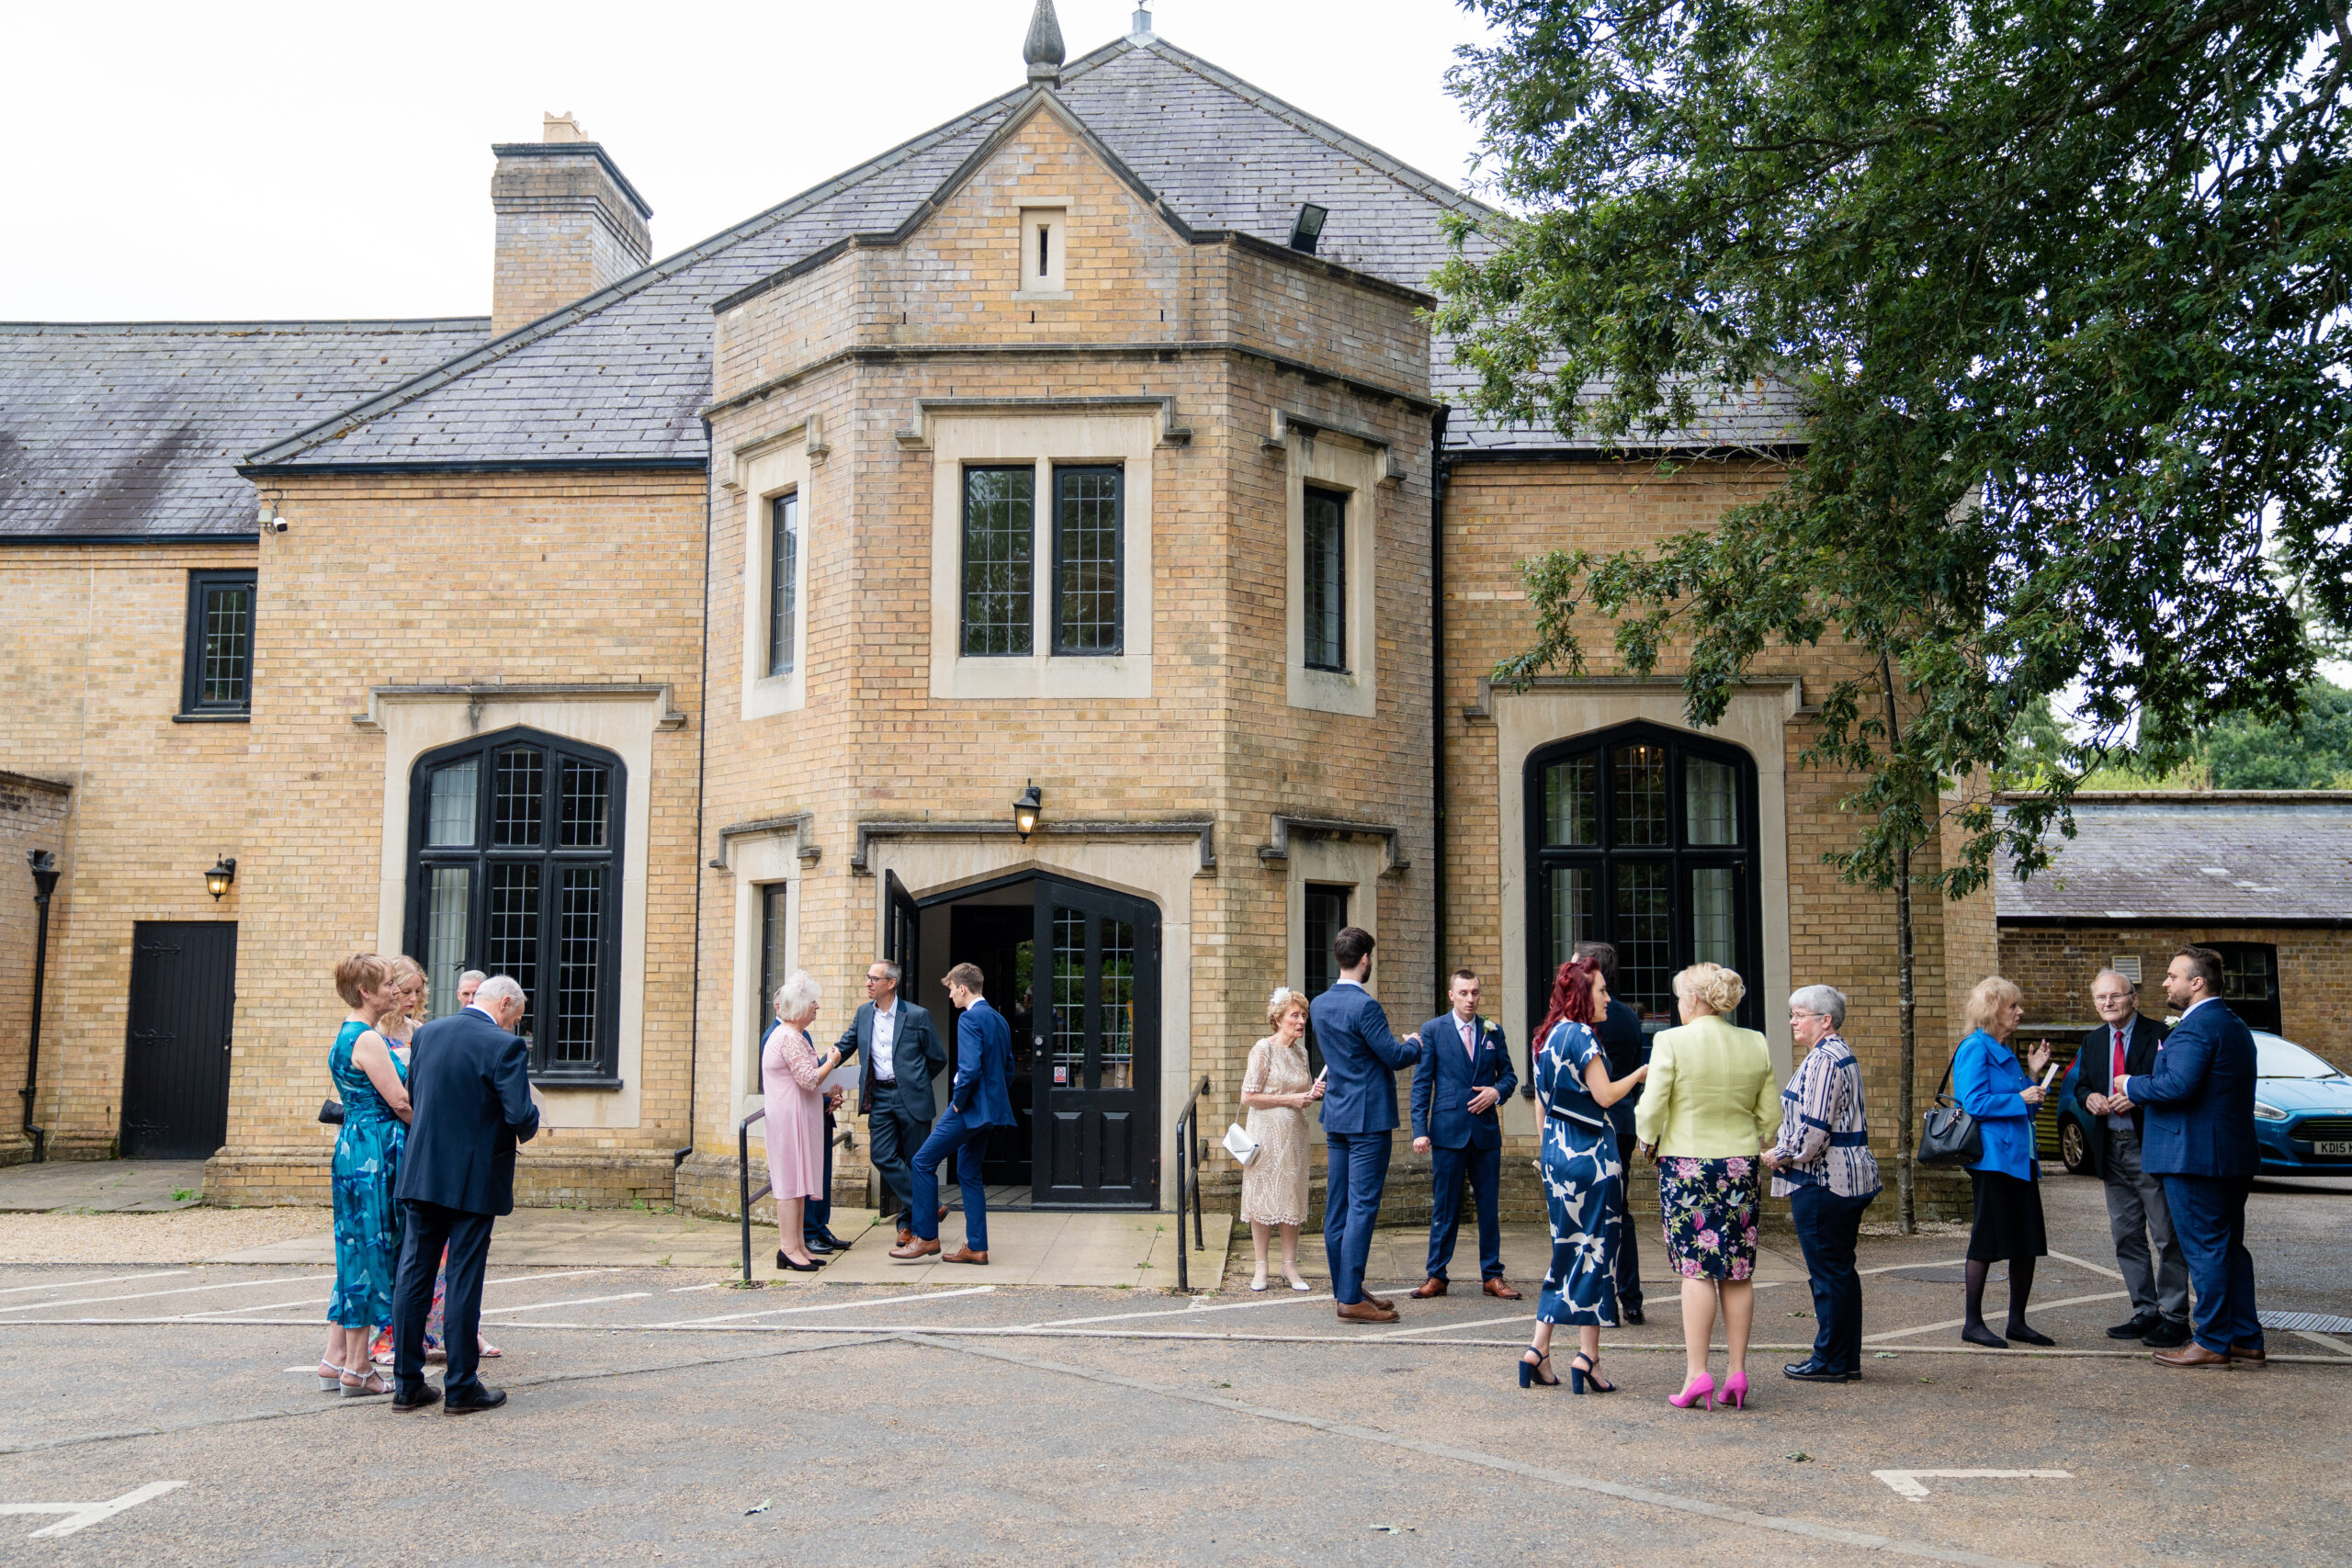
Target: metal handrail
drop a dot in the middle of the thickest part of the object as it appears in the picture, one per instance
(1187, 1153)
(743, 1183)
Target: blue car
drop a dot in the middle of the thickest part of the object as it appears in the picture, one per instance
(2303, 1114)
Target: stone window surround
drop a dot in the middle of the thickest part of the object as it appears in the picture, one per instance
(1559, 708)
(622, 719)
(763, 471)
(1053, 213)
(761, 856)
(1048, 432)
(1357, 465)
(1355, 863)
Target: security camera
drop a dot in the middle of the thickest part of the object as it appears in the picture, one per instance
(277, 524)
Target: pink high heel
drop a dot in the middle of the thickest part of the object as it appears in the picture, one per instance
(1698, 1388)
(1735, 1392)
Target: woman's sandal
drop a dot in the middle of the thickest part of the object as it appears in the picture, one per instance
(1531, 1373)
(330, 1376)
(356, 1386)
(485, 1349)
(1584, 1372)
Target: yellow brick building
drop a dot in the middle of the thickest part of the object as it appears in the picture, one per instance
(705, 622)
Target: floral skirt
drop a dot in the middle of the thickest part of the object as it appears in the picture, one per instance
(1709, 1206)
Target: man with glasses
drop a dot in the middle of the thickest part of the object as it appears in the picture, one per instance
(2123, 1043)
(900, 1052)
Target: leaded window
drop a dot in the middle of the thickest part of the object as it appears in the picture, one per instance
(216, 679)
(1643, 837)
(1000, 573)
(775, 904)
(1088, 506)
(515, 850)
(1323, 918)
(1325, 574)
(783, 583)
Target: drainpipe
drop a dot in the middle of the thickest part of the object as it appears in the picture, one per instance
(44, 869)
(702, 749)
(1437, 691)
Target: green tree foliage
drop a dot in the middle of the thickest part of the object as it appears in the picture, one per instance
(2311, 752)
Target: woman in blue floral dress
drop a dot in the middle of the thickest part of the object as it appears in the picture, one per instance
(374, 1089)
(1582, 1177)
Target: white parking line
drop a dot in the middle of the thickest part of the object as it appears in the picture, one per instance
(1897, 1267)
(689, 1290)
(1959, 1322)
(239, 1311)
(567, 1274)
(1906, 1482)
(831, 1306)
(182, 1290)
(1288, 1298)
(575, 1302)
(1445, 1327)
(95, 1280)
(2087, 1263)
(82, 1516)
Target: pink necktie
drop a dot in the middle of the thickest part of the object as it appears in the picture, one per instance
(1470, 1043)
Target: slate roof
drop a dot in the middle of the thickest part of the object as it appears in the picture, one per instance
(1765, 414)
(2226, 858)
(112, 430)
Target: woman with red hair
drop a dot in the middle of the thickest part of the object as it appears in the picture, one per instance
(1582, 1177)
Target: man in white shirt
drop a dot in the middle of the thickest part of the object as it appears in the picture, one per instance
(901, 1053)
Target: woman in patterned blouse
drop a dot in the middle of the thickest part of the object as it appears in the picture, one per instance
(1821, 1164)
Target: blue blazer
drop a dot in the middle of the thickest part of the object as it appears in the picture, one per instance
(983, 1059)
(1361, 1060)
(1627, 1046)
(469, 1085)
(1442, 1084)
(2199, 1097)
(1987, 1079)
(914, 1044)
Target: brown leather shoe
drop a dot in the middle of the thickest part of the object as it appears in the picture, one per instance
(1365, 1311)
(2254, 1355)
(2190, 1355)
(943, 1211)
(1383, 1303)
(1432, 1286)
(917, 1247)
(1500, 1289)
(905, 1235)
(963, 1255)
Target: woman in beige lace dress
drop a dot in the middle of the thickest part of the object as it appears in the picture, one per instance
(1277, 1089)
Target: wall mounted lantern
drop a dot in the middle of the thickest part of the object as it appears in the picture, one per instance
(1025, 810)
(216, 880)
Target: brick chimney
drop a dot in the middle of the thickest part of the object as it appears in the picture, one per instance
(568, 224)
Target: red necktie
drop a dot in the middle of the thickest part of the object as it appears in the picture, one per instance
(2115, 1075)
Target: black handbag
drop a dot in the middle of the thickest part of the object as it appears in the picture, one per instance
(331, 1112)
(1949, 1134)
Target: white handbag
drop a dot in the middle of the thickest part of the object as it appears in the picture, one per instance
(1240, 1144)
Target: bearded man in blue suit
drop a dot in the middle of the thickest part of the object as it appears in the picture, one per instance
(1360, 1059)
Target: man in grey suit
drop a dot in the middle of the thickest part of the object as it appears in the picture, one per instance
(900, 1052)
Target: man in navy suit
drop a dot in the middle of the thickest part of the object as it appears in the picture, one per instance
(1464, 1076)
(469, 1084)
(900, 1052)
(979, 1102)
(1627, 1046)
(2200, 1138)
(2125, 1043)
(1360, 1059)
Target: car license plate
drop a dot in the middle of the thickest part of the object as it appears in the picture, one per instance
(2337, 1146)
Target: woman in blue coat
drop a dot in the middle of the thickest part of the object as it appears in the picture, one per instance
(1995, 1088)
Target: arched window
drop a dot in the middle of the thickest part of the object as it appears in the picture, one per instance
(1643, 837)
(514, 847)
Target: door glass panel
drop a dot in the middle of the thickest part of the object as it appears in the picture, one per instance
(1643, 939)
(1640, 802)
(1572, 802)
(583, 804)
(1024, 1008)
(448, 899)
(1711, 804)
(450, 820)
(1712, 927)
(580, 912)
(1574, 914)
(1069, 1039)
(516, 806)
(1118, 1004)
(514, 933)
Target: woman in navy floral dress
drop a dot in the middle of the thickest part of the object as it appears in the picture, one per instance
(374, 1089)
(1582, 1177)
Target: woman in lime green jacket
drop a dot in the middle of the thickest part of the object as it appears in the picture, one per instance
(1712, 1106)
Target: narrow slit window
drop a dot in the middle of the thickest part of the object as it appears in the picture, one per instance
(1325, 574)
(1045, 250)
(783, 584)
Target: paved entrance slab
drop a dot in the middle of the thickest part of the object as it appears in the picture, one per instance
(101, 1186)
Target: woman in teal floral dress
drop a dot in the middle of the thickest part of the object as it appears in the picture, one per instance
(374, 1089)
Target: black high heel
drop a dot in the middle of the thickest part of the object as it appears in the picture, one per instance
(1584, 1369)
(1531, 1373)
(784, 1262)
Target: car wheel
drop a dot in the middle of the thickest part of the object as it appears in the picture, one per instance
(2071, 1148)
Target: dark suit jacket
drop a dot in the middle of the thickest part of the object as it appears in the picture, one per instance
(2199, 1096)
(1623, 1042)
(1443, 1081)
(2097, 1072)
(983, 1060)
(1360, 1059)
(469, 1084)
(914, 1041)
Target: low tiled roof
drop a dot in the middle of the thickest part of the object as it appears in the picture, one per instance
(2227, 858)
(112, 430)
(1764, 415)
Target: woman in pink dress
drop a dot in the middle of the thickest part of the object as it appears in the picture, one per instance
(794, 1128)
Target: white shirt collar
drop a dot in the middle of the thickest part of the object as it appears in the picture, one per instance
(1343, 980)
(2198, 1003)
(883, 1010)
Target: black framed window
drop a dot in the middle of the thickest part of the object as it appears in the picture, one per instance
(1324, 918)
(776, 906)
(1089, 517)
(1325, 575)
(783, 584)
(2250, 982)
(999, 554)
(514, 850)
(1645, 837)
(217, 671)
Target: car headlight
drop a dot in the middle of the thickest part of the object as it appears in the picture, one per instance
(2267, 1112)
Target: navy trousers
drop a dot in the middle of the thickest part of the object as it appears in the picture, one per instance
(817, 1213)
(1826, 1227)
(1629, 1250)
(2208, 1221)
(1484, 1170)
(1357, 1171)
(429, 1228)
(949, 1135)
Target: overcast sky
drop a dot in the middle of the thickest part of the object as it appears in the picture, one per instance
(252, 161)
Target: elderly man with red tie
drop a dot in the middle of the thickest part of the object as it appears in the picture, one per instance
(2126, 1043)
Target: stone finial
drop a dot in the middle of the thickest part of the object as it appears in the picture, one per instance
(564, 127)
(1042, 47)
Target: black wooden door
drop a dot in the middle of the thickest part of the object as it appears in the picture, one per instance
(1096, 1072)
(175, 1061)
